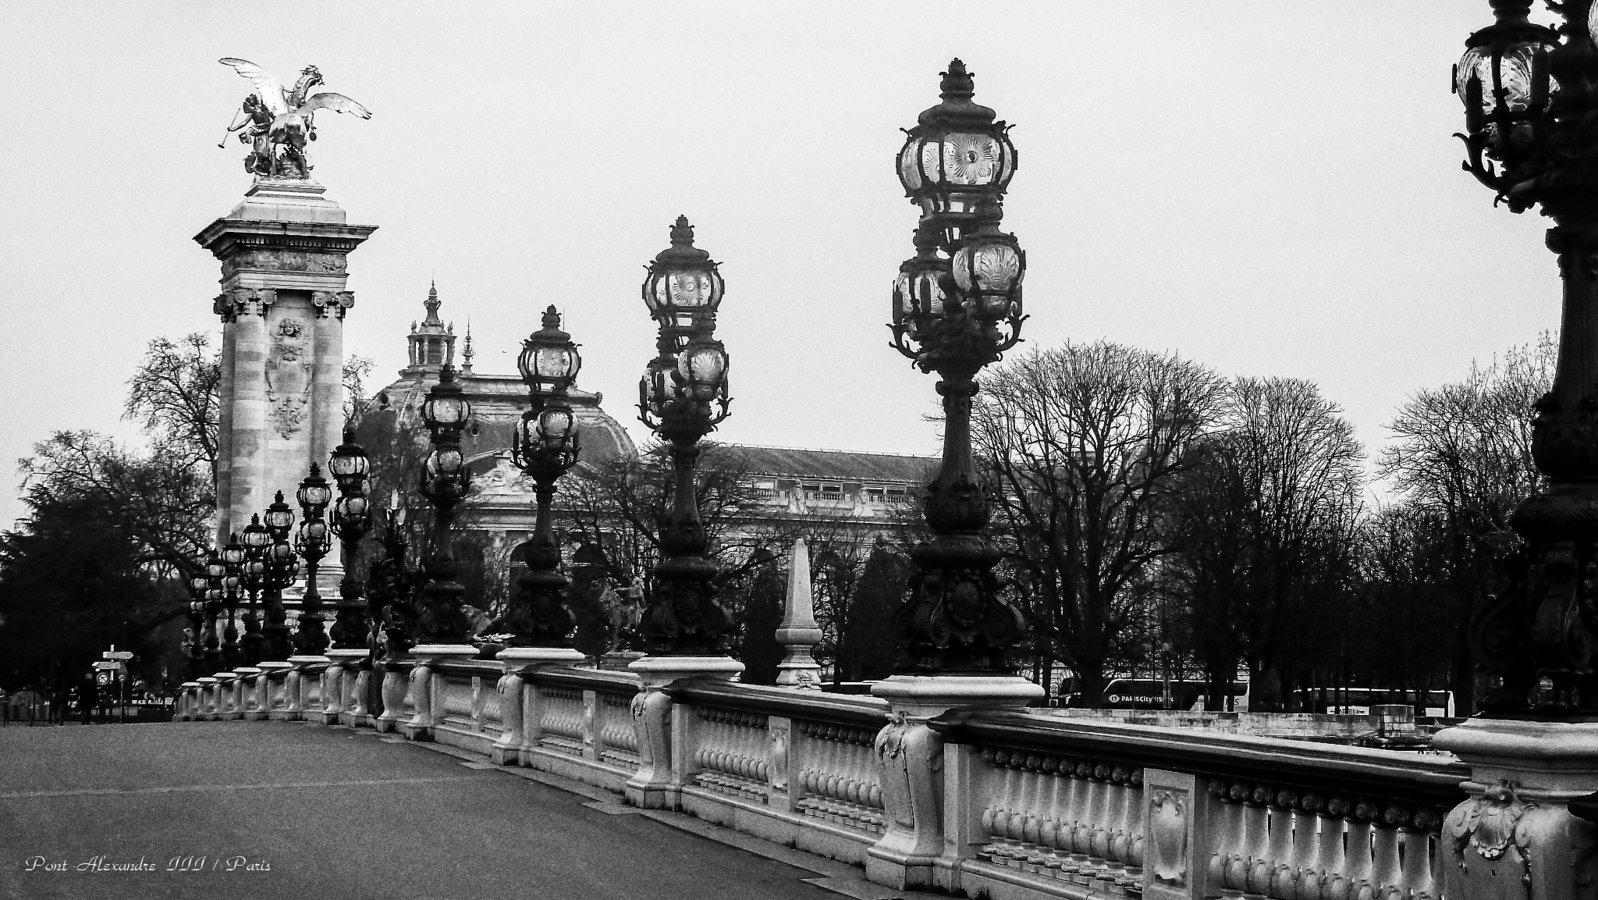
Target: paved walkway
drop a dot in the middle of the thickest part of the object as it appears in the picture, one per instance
(234, 810)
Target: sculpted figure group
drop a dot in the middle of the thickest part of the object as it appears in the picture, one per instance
(276, 122)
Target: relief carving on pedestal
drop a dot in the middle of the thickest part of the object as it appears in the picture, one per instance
(1167, 837)
(288, 377)
(1491, 825)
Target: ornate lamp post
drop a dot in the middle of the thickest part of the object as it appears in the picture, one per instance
(390, 594)
(1531, 135)
(1530, 110)
(682, 397)
(444, 481)
(349, 466)
(199, 585)
(545, 446)
(233, 556)
(312, 543)
(957, 308)
(281, 571)
(215, 572)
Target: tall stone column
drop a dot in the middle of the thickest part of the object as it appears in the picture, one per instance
(283, 251)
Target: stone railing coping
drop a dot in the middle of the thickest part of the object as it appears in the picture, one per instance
(813, 706)
(481, 668)
(1424, 779)
(605, 682)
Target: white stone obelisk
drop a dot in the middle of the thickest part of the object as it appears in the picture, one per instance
(798, 632)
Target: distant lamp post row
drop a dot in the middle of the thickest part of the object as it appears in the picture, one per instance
(682, 397)
(1531, 116)
(957, 308)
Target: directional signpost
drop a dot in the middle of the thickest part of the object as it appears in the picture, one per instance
(114, 665)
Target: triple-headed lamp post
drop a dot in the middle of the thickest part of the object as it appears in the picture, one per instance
(313, 495)
(682, 397)
(349, 467)
(282, 568)
(1531, 133)
(233, 556)
(957, 308)
(256, 540)
(444, 482)
(545, 446)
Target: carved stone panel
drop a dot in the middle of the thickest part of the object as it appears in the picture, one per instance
(288, 376)
(1172, 812)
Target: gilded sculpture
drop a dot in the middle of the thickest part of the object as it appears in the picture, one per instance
(277, 122)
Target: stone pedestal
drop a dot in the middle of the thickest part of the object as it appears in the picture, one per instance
(306, 678)
(207, 697)
(251, 706)
(798, 632)
(509, 748)
(396, 681)
(655, 785)
(426, 687)
(1515, 836)
(339, 686)
(276, 700)
(913, 773)
(283, 251)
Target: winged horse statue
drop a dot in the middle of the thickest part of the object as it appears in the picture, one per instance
(276, 121)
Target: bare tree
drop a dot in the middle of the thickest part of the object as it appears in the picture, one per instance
(1263, 529)
(1463, 452)
(173, 395)
(1084, 442)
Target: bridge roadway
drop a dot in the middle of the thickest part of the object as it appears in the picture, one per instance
(243, 810)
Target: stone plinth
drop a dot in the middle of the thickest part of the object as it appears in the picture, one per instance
(509, 748)
(655, 785)
(426, 686)
(283, 252)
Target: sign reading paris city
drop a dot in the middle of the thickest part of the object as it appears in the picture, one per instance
(276, 122)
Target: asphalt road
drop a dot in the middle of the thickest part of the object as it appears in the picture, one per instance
(224, 810)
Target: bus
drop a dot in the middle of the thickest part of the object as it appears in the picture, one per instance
(1357, 701)
(1150, 693)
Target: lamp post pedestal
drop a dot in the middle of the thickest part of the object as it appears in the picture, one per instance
(208, 699)
(426, 686)
(252, 707)
(275, 672)
(518, 662)
(913, 782)
(339, 691)
(656, 784)
(1524, 775)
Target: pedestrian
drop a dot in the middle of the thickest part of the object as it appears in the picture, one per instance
(86, 692)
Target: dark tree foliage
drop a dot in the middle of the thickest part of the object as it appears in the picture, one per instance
(867, 653)
(71, 584)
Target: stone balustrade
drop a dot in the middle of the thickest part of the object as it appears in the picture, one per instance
(1028, 804)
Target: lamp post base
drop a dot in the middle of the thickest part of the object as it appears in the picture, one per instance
(655, 785)
(426, 686)
(914, 773)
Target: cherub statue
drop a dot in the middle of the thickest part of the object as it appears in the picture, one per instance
(277, 121)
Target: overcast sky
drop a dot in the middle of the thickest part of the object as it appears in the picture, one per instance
(1269, 188)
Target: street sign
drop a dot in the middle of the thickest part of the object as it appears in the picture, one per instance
(107, 666)
(104, 678)
(117, 654)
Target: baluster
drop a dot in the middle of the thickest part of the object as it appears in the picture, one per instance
(1233, 868)
(1419, 856)
(1082, 866)
(1115, 825)
(1385, 877)
(1283, 875)
(1256, 819)
(1332, 862)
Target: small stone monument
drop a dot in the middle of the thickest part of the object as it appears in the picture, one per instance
(798, 631)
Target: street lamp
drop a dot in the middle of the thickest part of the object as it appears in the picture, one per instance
(199, 585)
(233, 556)
(545, 445)
(280, 572)
(444, 482)
(253, 574)
(957, 308)
(215, 573)
(349, 466)
(682, 397)
(312, 543)
(1531, 109)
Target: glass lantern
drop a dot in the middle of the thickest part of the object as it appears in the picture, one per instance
(703, 369)
(549, 361)
(314, 493)
(445, 411)
(683, 285)
(348, 463)
(1503, 79)
(957, 155)
(988, 271)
